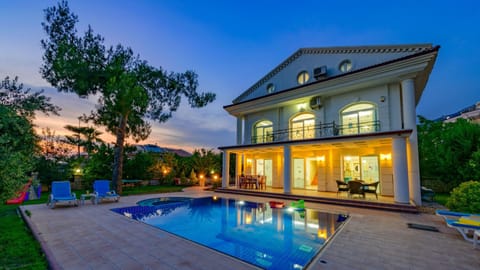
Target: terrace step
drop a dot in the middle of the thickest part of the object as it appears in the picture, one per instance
(344, 202)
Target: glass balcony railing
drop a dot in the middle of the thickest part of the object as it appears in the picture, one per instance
(317, 131)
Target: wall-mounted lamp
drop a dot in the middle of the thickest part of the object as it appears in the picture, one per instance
(249, 161)
(301, 107)
(321, 158)
(386, 156)
(382, 98)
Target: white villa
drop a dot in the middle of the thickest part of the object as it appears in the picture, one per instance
(338, 113)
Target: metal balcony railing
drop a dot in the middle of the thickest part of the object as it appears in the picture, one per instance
(317, 131)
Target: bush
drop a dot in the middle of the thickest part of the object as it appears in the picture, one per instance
(465, 198)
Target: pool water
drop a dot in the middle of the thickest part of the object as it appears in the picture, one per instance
(269, 238)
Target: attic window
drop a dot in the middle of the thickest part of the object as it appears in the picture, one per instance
(345, 65)
(270, 88)
(303, 77)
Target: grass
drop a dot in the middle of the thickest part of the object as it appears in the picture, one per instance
(441, 198)
(19, 248)
(150, 190)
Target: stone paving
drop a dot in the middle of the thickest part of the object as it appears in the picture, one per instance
(93, 237)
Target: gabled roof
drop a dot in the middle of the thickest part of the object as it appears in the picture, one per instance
(409, 48)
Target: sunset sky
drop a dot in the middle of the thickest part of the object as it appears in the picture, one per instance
(232, 44)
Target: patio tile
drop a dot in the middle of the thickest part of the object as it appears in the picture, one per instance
(371, 239)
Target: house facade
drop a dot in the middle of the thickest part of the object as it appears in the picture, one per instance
(327, 114)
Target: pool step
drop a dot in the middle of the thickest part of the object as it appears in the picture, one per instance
(345, 202)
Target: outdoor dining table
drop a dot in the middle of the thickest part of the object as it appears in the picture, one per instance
(251, 181)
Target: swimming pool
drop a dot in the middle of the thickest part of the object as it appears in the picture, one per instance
(269, 238)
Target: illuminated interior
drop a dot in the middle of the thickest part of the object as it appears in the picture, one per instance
(303, 126)
(358, 118)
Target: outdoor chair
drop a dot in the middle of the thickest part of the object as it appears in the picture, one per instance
(468, 225)
(355, 188)
(61, 192)
(262, 182)
(102, 191)
(427, 194)
(342, 187)
(371, 188)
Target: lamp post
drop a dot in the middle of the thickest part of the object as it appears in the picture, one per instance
(77, 178)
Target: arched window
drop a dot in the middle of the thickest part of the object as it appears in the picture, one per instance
(359, 118)
(303, 126)
(263, 132)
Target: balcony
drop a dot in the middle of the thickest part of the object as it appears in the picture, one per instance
(317, 131)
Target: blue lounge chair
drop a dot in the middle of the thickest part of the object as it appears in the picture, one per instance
(102, 191)
(61, 192)
(447, 215)
(468, 225)
(465, 229)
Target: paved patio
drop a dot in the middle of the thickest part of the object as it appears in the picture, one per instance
(93, 237)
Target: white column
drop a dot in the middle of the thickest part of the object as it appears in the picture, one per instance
(287, 165)
(410, 122)
(239, 130)
(400, 172)
(226, 169)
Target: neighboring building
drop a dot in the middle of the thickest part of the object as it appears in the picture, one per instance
(152, 148)
(326, 114)
(471, 113)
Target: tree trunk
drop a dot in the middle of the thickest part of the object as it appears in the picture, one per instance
(118, 155)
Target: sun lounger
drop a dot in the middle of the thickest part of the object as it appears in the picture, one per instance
(102, 191)
(61, 192)
(468, 225)
(449, 214)
(466, 230)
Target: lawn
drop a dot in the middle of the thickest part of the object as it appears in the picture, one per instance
(19, 248)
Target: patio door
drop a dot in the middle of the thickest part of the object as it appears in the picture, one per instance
(361, 168)
(298, 173)
(311, 174)
(264, 167)
(268, 171)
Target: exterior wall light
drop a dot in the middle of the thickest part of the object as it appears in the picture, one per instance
(386, 156)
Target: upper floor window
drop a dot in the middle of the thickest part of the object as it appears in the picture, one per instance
(345, 66)
(303, 126)
(270, 88)
(359, 118)
(263, 132)
(303, 77)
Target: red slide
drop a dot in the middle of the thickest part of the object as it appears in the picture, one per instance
(21, 197)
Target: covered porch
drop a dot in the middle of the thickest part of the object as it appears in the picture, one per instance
(313, 167)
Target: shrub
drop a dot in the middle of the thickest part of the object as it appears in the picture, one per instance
(465, 198)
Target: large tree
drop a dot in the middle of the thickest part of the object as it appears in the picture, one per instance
(130, 91)
(18, 142)
(23, 101)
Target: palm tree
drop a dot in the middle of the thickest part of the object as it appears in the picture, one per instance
(86, 137)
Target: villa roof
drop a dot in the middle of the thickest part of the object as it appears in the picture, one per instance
(418, 50)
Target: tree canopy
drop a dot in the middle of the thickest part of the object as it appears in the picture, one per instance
(130, 91)
(18, 142)
(23, 101)
(17, 148)
(449, 152)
